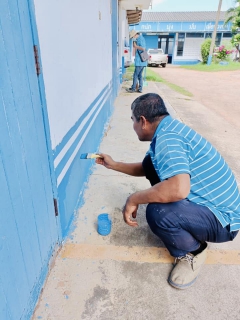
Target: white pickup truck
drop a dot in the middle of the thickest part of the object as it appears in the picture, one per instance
(157, 57)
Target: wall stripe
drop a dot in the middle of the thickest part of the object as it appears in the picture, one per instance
(77, 136)
(66, 165)
(74, 135)
(72, 131)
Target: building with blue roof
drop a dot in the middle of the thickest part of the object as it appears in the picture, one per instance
(180, 34)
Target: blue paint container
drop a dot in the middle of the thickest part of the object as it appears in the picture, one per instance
(104, 224)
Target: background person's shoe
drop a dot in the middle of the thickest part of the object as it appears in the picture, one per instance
(130, 90)
(186, 270)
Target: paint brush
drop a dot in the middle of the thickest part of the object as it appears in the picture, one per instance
(89, 156)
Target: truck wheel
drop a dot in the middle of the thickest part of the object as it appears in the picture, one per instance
(157, 65)
(164, 65)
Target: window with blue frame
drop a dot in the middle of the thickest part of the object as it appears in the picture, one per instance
(227, 35)
(194, 35)
(218, 37)
(180, 46)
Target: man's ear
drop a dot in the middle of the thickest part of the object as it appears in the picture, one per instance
(144, 122)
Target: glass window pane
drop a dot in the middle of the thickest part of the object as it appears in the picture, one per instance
(194, 35)
(156, 51)
(170, 46)
(180, 48)
(163, 44)
(227, 35)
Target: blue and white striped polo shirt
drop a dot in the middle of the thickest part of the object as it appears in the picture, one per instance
(176, 149)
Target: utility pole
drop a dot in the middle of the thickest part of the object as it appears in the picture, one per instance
(214, 33)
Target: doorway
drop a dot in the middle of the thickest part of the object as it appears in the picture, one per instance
(166, 42)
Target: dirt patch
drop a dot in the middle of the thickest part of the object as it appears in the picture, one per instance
(218, 91)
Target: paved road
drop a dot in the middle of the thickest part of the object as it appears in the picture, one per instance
(218, 91)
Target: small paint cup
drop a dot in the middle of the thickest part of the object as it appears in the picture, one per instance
(104, 224)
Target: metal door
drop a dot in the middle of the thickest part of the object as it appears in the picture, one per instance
(28, 226)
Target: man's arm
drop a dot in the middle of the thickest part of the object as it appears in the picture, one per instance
(171, 190)
(132, 169)
(138, 47)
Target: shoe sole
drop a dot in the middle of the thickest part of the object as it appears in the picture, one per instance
(181, 287)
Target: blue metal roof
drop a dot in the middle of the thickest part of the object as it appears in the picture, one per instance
(182, 16)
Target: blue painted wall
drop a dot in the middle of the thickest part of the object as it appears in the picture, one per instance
(151, 42)
(72, 184)
(185, 62)
(28, 226)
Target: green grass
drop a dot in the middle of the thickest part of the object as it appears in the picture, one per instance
(178, 89)
(214, 67)
(153, 76)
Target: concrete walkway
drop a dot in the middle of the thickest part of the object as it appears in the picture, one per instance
(123, 276)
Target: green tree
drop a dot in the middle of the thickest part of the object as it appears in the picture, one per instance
(205, 48)
(236, 43)
(233, 15)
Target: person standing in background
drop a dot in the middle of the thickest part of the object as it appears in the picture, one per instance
(140, 45)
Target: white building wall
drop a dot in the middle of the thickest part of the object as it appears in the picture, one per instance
(123, 32)
(76, 52)
(124, 27)
(192, 48)
(79, 57)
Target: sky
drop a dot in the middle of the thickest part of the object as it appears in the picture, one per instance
(190, 5)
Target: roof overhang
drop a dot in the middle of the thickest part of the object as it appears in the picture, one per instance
(134, 9)
(134, 16)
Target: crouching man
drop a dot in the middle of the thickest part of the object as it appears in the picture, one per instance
(193, 198)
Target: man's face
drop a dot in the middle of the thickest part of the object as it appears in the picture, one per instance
(138, 128)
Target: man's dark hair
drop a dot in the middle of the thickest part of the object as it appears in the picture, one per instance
(149, 105)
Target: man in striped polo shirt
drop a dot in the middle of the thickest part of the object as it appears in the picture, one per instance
(194, 198)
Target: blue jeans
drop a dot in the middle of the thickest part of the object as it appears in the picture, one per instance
(137, 76)
(183, 225)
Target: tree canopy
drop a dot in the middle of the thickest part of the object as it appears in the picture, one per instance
(233, 15)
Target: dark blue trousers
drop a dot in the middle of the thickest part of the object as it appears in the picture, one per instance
(182, 225)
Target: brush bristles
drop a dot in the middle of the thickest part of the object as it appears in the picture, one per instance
(89, 156)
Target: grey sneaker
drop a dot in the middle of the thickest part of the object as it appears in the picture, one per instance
(130, 90)
(186, 270)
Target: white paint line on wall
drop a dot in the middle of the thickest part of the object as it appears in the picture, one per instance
(61, 154)
(68, 164)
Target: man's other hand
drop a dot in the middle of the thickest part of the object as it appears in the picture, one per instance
(130, 212)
